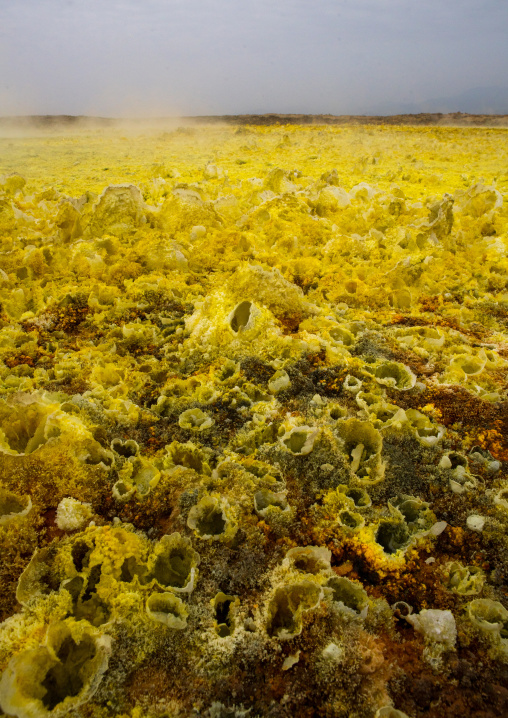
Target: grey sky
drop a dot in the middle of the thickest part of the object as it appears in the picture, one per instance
(160, 57)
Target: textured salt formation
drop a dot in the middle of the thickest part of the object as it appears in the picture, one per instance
(253, 426)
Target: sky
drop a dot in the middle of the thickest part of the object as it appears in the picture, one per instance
(150, 58)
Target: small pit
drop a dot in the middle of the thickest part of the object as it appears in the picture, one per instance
(64, 679)
(173, 569)
(392, 536)
(241, 316)
(296, 441)
(348, 593)
(223, 615)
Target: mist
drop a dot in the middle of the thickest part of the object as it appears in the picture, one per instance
(161, 58)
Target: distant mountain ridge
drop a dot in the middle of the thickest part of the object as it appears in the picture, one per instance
(475, 101)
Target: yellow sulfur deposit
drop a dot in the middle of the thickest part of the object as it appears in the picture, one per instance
(254, 422)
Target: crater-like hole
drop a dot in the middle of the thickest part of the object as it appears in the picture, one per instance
(336, 413)
(174, 569)
(426, 431)
(64, 679)
(124, 448)
(265, 498)
(81, 555)
(93, 579)
(457, 460)
(160, 604)
(284, 607)
(386, 414)
(90, 607)
(348, 593)
(308, 564)
(401, 609)
(122, 488)
(283, 615)
(387, 372)
(470, 366)
(341, 335)
(410, 510)
(10, 504)
(296, 441)
(348, 519)
(392, 536)
(241, 316)
(211, 522)
(227, 372)
(359, 452)
(168, 609)
(131, 568)
(223, 615)
(74, 586)
(359, 497)
(93, 610)
(183, 455)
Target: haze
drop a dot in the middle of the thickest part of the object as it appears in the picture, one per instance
(176, 57)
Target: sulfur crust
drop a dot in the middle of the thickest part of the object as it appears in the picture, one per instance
(253, 421)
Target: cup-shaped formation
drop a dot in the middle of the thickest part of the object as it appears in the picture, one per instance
(224, 608)
(300, 440)
(287, 606)
(208, 518)
(12, 506)
(349, 596)
(168, 609)
(173, 563)
(56, 677)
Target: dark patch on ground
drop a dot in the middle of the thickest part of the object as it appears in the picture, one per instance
(60, 122)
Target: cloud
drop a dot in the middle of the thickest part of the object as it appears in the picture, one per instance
(225, 56)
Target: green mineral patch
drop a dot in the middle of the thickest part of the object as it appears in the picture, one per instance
(254, 422)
